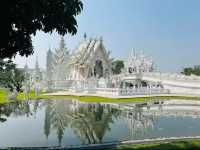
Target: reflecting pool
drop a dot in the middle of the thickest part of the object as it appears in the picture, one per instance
(70, 122)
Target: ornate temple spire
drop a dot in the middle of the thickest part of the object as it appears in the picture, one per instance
(101, 39)
(133, 53)
(142, 54)
(60, 59)
(49, 52)
(26, 70)
(61, 52)
(62, 43)
(25, 67)
(49, 60)
(85, 36)
(37, 70)
(36, 63)
(49, 49)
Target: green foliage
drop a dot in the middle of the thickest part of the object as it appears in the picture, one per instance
(192, 70)
(117, 66)
(22, 18)
(10, 76)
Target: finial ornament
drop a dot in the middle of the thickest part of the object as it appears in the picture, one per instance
(133, 53)
(36, 62)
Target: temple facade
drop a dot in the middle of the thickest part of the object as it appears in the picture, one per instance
(85, 66)
(90, 60)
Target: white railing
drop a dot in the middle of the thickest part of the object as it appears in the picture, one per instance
(130, 92)
(143, 91)
(83, 88)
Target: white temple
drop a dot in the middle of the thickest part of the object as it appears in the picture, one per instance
(89, 60)
(88, 71)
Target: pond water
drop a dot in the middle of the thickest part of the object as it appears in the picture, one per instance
(70, 122)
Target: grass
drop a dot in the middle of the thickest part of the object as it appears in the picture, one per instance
(117, 100)
(92, 99)
(178, 145)
(21, 96)
(3, 96)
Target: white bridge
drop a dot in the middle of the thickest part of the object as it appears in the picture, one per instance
(176, 83)
(171, 83)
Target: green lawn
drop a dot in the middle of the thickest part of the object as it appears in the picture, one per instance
(112, 100)
(21, 96)
(181, 145)
(92, 99)
(3, 96)
(31, 95)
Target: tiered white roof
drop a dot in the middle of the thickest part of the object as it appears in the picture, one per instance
(86, 49)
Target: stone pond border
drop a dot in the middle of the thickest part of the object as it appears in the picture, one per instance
(112, 145)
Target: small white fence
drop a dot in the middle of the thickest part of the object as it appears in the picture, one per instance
(130, 92)
(173, 77)
(121, 92)
(83, 88)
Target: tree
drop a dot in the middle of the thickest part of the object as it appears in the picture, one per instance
(10, 76)
(117, 66)
(18, 78)
(191, 70)
(25, 17)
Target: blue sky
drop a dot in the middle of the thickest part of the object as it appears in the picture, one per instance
(167, 30)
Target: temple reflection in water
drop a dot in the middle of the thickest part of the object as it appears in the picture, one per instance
(91, 122)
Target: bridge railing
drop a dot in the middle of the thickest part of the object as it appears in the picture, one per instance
(173, 77)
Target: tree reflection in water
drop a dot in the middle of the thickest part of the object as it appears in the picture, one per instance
(16, 109)
(89, 121)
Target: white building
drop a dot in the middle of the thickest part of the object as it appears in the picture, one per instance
(89, 60)
(88, 70)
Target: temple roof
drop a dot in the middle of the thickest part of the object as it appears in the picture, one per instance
(85, 50)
